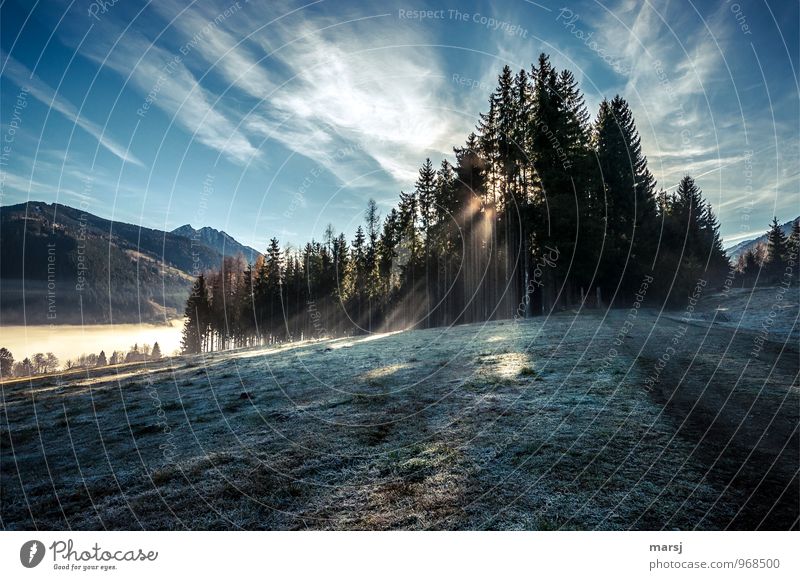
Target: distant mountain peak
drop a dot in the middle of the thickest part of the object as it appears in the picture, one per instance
(221, 241)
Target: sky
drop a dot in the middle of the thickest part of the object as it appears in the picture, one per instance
(276, 118)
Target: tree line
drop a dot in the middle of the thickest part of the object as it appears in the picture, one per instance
(48, 363)
(544, 209)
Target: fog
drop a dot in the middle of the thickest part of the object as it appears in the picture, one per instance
(70, 341)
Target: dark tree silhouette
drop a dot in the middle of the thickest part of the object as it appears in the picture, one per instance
(6, 363)
(198, 320)
(777, 249)
(541, 210)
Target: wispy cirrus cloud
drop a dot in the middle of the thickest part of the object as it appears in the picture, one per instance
(324, 85)
(167, 83)
(21, 76)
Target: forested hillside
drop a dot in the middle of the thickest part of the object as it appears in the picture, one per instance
(61, 265)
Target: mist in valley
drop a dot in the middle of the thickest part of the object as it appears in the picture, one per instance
(71, 341)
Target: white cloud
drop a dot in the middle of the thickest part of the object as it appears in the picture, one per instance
(393, 106)
(341, 87)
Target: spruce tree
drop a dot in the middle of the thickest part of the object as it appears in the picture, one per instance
(387, 252)
(341, 261)
(425, 188)
(197, 316)
(359, 275)
(273, 281)
(776, 250)
(627, 192)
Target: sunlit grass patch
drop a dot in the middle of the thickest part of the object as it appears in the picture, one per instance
(384, 372)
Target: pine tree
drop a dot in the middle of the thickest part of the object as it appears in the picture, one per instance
(359, 275)
(245, 308)
(544, 126)
(488, 147)
(472, 178)
(271, 294)
(341, 264)
(39, 363)
(197, 314)
(522, 107)
(101, 359)
(717, 262)
(409, 248)
(387, 261)
(506, 132)
(425, 188)
(371, 274)
(627, 192)
(776, 250)
(155, 354)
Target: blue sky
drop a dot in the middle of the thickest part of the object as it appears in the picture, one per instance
(275, 118)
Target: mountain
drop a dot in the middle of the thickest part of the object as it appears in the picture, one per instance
(737, 250)
(61, 265)
(219, 241)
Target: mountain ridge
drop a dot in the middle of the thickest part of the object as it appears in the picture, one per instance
(219, 240)
(63, 265)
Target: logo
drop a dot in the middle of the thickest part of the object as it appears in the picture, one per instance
(31, 553)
